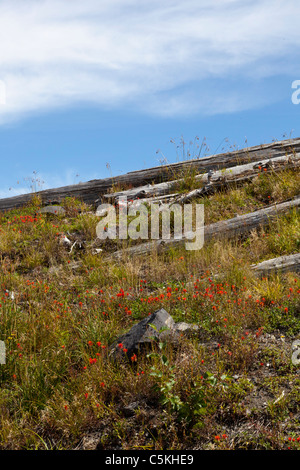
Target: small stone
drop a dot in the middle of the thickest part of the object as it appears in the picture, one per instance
(187, 328)
(55, 210)
(91, 441)
(130, 409)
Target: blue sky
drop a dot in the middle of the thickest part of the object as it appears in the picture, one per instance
(96, 88)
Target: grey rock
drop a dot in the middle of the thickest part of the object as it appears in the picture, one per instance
(187, 328)
(142, 334)
(55, 210)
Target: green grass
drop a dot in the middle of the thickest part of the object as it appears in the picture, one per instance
(59, 385)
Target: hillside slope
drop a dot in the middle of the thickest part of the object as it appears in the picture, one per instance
(232, 384)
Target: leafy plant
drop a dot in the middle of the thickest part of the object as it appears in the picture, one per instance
(165, 377)
(195, 403)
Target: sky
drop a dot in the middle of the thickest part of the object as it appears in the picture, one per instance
(98, 88)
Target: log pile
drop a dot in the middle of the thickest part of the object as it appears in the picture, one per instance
(164, 184)
(209, 182)
(91, 191)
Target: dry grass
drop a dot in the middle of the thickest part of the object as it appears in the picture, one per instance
(58, 386)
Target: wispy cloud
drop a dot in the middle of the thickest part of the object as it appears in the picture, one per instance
(167, 58)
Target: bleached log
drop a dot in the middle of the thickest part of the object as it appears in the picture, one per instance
(225, 229)
(282, 264)
(167, 198)
(211, 181)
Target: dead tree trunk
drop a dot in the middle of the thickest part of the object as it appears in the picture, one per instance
(225, 229)
(90, 191)
(210, 182)
(281, 264)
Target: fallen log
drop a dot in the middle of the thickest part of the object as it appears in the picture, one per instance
(282, 264)
(223, 160)
(89, 192)
(211, 181)
(165, 199)
(241, 175)
(228, 229)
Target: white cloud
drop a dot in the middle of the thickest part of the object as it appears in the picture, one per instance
(132, 52)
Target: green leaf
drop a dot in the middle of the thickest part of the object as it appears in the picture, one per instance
(152, 355)
(156, 374)
(152, 326)
(164, 328)
(164, 359)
